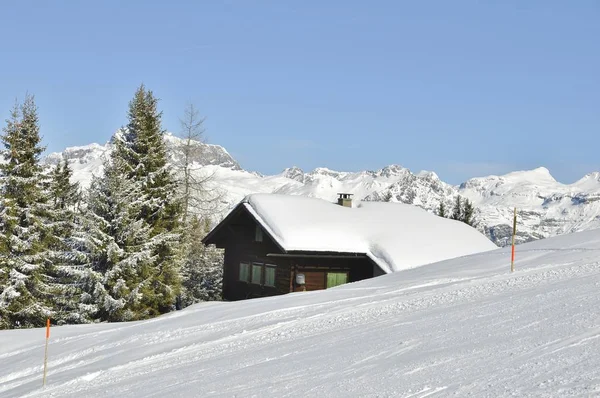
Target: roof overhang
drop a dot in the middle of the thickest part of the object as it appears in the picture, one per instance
(318, 255)
(245, 206)
(242, 206)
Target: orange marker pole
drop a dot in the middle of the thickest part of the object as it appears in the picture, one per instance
(512, 257)
(46, 351)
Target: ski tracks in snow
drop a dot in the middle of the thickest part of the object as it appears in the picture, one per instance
(416, 340)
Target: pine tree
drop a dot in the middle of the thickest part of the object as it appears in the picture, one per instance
(118, 244)
(160, 208)
(135, 243)
(467, 212)
(202, 270)
(73, 303)
(25, 229)
(442, 210)
(457, 209)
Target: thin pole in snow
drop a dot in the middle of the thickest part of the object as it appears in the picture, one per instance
(46, 350)
(512, 257)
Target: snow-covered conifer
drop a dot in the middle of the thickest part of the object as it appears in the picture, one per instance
(160, 208)
(467, 212)
(202, 270)
(441, 210)
(118, 244)
(136, 217)
(27, 286)
(457, 209)
(74, 276)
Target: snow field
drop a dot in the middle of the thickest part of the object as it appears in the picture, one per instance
(463, 327)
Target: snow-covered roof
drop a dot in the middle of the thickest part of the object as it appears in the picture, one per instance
(395, 236)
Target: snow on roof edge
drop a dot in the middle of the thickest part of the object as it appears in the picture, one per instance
(262, 222)
(295, 233)
(379, 262)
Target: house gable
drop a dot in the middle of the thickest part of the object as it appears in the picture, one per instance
(240, 225)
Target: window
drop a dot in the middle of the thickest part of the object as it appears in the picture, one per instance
(270, 275)
(257, 273)
(336, 279)
(244, 272)
(253, 273)
(258, 234)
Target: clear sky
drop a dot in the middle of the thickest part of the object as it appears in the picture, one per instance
(463, 88)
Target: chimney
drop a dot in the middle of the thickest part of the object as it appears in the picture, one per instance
(345, 199)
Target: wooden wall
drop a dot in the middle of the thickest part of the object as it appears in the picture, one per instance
(315, 270)
(237, 237)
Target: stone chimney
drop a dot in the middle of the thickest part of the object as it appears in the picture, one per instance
(345, 199)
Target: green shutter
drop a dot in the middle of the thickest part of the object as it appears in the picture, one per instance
(336, 279)
(256, 273)
(269, 276)
(244, 272)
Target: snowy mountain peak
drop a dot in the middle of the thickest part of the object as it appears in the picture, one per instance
(78, 154)
(327, 172)
(88, 160)
(595, 177)
(392, 170)
(429, 175)
(293, 173)
(203, 154)
(535, 175)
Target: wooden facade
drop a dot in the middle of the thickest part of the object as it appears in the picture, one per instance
(256, 266)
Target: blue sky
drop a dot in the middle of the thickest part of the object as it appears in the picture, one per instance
(463, 88)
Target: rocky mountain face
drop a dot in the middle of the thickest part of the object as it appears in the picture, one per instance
(545, 207)
(88, 160)
(202, 154)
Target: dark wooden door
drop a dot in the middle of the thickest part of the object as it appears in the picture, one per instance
(314, 280)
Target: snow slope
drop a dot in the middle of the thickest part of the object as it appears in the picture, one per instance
(464, 327)
(394, 235)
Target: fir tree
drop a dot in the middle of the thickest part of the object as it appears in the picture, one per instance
(137, 216)
(25, 270)
(441, 210)
(202, 270)
(160, 208)
(64, 195)
(467, 212)
(118, 243)
(457, 209)
(72, 267)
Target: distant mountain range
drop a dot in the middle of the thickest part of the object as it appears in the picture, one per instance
(545, 207)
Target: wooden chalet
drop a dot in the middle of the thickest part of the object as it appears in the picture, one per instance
(256, 265)
(278, 244)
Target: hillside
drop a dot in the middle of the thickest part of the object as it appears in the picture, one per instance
(464, 327)
(545, 207)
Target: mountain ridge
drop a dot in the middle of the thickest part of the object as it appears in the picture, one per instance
(545, 206)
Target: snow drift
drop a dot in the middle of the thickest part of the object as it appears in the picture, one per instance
(394, 235)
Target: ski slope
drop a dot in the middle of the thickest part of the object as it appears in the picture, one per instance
(463, 327)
